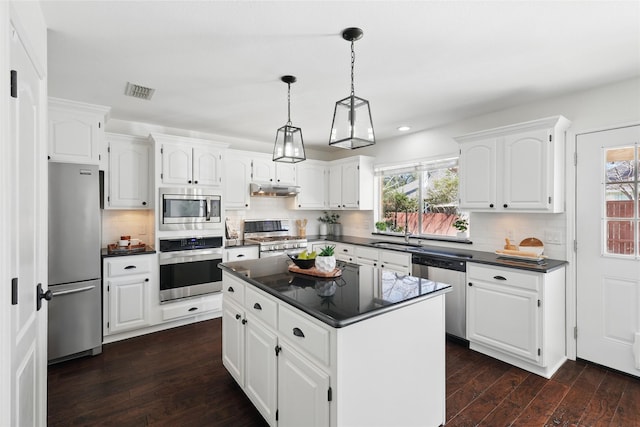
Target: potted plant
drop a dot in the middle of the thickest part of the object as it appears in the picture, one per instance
(461, 224)
(326, 260)
(328, 223)
(381, 226)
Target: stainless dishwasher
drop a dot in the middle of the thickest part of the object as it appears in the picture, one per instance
(450, 270)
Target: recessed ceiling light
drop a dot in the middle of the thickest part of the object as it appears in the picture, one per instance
(404, 128)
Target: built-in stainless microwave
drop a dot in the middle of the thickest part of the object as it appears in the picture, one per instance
(189, 209)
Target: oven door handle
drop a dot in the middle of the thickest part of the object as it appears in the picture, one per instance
(189, 256)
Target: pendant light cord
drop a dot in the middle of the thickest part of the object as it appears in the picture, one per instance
(353, 62)
(288, 104)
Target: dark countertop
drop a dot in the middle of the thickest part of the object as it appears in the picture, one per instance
(147, 250)
(360, 293)
(462, 254)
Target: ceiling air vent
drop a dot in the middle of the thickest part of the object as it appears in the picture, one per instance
(138, 91)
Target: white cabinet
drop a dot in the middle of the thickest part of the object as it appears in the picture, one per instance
(312, 177)
(127, 292)
(342, 251)
(189, 161)
(264, 169)
(384, 259)
(237, 179)
(241, 253)
(514, 168)
(517, 316)
(76, 131)
(351, 183)
(128, 172)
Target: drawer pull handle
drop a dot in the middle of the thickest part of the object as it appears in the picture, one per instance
(257, 306)
(239, 255)
(345, 250)
(298, 332)
(230, 289)
(129, 267)
(193, 308)
(238, 316)
(499, 277)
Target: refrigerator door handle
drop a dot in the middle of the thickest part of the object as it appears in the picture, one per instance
(73, 291)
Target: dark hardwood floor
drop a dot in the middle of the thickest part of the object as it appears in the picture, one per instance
(176, 378)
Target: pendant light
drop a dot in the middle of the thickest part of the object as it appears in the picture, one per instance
(352, 126)
(288, 147)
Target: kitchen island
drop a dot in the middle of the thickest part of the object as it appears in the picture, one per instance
(366, 348)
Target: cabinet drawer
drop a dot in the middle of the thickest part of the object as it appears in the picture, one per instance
(344, 249)
(181, 309)
(396, 258)
(241, 253)
(126, 266)
(503, 276)
(262, 307)
(366, 253)
(306, 335)
(233, 289)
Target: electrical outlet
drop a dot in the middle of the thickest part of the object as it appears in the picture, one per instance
(553, 237)
(510, 234)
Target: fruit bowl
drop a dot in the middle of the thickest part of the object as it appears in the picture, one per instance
(304, 264)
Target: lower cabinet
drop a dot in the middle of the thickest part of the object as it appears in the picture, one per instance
(517, 316)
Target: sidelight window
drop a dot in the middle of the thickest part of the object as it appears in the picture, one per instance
(420, 197)
(620, 185)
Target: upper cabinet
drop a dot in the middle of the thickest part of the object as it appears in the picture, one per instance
(237, 180)
(76, 132)
(351, 183)
(265, 170)
(312, 177)
(128, 172)
(189, 161)
(514, 168)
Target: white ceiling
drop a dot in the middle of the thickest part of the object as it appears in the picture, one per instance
(216, 65)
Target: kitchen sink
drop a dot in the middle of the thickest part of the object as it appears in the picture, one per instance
(418, 249)
(396, 246)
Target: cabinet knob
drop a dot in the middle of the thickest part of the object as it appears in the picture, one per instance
(299, 206)
(230, 289)
(491, 205)
(270, 179)
(144, 203)
(189, 182)
(246, 205)
(238, 316)
(195, 182)
(146, 280)
(244, 321)
(505, 205)
(470, 284)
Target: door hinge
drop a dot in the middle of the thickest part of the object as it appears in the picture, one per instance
(575, 332)
(575, 246)
(575, 158)
(329, 394)
(108, 325)
(108, 149)
(14, 291)
(539, 352)
(14, 84)
(276, 415)
(99, 125)
(549, 199)
(161, 176)
(108, 288)
(550, 137)
(99, 156)
(278, 349)
(108, 198)
(539, 303)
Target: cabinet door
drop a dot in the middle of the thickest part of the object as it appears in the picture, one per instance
(128, 303)
(286, 173)
(233, 340)
(263, 169)
(526, 166)
(176, 164)
(74, 137)
(261, 369)
(236, 182)
(129, 175)
(477, 174)
(505, 318)
(206, 166)
(302, 392)
(313, 186)
(335, 187)
(351, 185)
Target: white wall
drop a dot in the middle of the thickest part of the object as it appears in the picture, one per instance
(135, 223)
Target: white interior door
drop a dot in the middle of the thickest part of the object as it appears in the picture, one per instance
(28, 238)
(608, 256)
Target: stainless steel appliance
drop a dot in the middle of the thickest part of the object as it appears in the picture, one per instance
(189, 267)
(451, 270)
(75, 310)
(273, 237)
(189, 209)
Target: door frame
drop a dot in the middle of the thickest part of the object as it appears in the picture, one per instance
(572, 232)
(28, 22)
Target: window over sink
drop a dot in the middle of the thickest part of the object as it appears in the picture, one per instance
(421, 197)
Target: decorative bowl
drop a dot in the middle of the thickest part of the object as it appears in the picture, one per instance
(304, 264)
(531, 244)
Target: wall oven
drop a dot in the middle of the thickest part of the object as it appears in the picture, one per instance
(189, 209)
(189, 267)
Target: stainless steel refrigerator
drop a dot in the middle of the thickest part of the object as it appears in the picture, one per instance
(75, 310)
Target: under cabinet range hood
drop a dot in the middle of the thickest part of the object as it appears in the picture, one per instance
(272, 190)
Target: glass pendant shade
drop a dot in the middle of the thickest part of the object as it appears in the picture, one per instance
(352, 126)
(289, 147)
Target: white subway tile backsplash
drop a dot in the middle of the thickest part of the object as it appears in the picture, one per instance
(135, 223)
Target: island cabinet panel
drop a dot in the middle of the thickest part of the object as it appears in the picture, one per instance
(261, 368)
(233, 339)
(517, 316)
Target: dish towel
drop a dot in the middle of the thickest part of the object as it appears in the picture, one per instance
(636, 349)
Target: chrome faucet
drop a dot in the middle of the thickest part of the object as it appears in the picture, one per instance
(406, 226)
